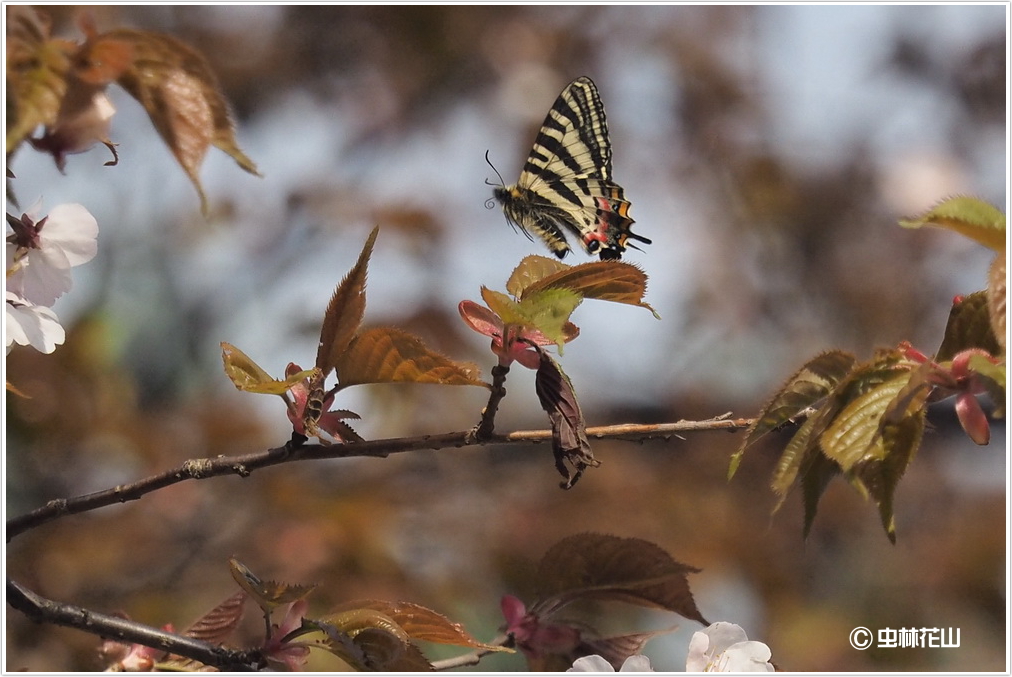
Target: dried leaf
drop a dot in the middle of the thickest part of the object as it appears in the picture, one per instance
(598, 566)
(345, 310)
(219, 622)
(531, 269)
(968, 216)
(569, 430)
(996, 299)
(37, 70)
(813, 382)
(267, 594)
(420, 623)
(389, 355)
(616, 281)
(181, 95)
(247, 375)
(969, 326)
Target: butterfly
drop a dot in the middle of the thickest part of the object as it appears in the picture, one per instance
(566, 182)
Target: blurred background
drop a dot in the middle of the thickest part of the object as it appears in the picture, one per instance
(768, 153)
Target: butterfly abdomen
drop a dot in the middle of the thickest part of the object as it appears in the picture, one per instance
(534, 215)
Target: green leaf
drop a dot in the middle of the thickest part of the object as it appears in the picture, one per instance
(969, 326)
(547, 311)
(531, 269)
(247, 375)
(816, 475)
(996, 298)
(345, 310)
(813, 382)
(968, 216)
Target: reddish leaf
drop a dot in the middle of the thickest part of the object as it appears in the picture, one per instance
(219, 622)
(345, 311)
(420, 623)
(597, 566)
(389, 355)
(180, 93)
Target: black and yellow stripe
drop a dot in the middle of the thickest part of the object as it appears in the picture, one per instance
(566, 181)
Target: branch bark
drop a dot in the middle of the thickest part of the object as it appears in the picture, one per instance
(44, 610)
(296, 450)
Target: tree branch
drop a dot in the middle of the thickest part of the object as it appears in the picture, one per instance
(296, 450)
(44, 610)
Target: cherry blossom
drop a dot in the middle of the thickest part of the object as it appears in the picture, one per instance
(638, 663)
(724, 647)
(31, 325)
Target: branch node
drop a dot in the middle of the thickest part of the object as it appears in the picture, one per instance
(197, 468)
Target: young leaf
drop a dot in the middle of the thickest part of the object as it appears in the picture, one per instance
(345, 311)
(267, 594)
(247, 375)
(615, 281)
(389, 355)
(546, 312)
(36, 73)
(968, 216)
(569, 430)
(996, 298)
(181, 95)
(813, 382)
(618, 648)
(602, 567)
(419, 623)
(816, 475)
(531, 269)
(219, 622)
(368, 640)
(969, 326)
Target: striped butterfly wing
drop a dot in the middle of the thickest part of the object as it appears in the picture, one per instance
(566, 182)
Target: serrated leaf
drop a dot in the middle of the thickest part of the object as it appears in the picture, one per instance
(969, 326)
(813, 382)
(996, 298)
(267, 594)
(880, 473)
(598, 566)
(968, 216)
(378, 643)
(569, 430)
(247, 375)
(856, 433)
(420, 623)
(352, 620)
(219, 622)
(531, 269)
(616, 281)
(345, 310)
(799, 453)
(179, 91)
(816, 475)
(390, 355)
(37, 69)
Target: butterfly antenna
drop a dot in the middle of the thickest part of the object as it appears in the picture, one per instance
(487, 182)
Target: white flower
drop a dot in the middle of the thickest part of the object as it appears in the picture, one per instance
(724, 647)
(30, 325)
(41, 252)
(638, 663)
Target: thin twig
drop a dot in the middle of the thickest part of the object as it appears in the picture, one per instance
(486, 426)
(44, 610)
(203, 468)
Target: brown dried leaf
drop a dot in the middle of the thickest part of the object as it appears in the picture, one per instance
(598, 566)
(219, 622)
(421, 623)
(345, 310)
(390, 355)
(180, 93)
(569, 430)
